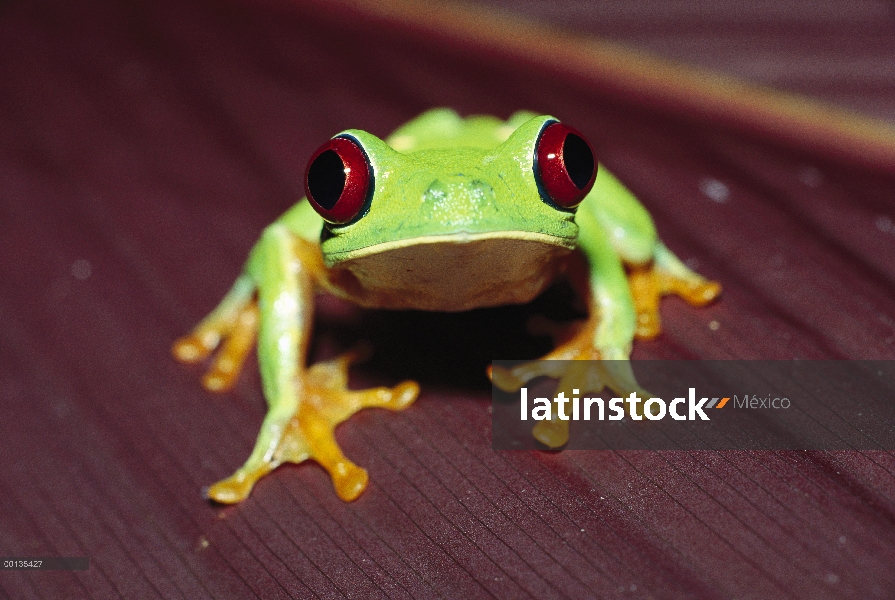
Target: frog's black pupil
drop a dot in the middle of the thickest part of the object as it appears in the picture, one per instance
(579, 160)
(326, 179)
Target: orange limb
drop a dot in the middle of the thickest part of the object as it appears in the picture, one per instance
(310, 434)
(649, 283)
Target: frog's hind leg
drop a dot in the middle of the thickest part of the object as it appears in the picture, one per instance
(235, 324)
(310, 433)
(665, 275)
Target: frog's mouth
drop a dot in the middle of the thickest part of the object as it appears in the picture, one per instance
(451, 272)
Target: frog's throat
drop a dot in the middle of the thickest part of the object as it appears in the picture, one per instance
(454, 272)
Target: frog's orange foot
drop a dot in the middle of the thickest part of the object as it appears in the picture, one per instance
(238, 336)
(579, 368)
(583, 374)
(310, 433)
(648, 285)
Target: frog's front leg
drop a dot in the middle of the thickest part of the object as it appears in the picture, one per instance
(653, 271)
(606, 336)
(304, 405)
(614, 231)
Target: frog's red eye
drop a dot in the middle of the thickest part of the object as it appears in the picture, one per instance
(565, 168)
(339, 180)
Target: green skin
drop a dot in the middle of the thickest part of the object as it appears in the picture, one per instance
(442, 183)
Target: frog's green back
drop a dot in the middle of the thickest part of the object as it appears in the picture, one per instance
(442, 128)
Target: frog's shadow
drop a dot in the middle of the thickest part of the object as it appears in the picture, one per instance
(443, 350)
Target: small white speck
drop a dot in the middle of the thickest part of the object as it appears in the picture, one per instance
(81, 269)
(714, 325)
(715, 190)
(633, 587)
(884, 224)
(692, 263)
(832, 578)
(842, 539)
(582, 531)
(811, 176)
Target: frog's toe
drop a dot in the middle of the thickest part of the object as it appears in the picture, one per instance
(311, 435)
(646, 291)
(649, 325)
(697, 293)
(402, 395)
(552, 433)
(505, 379)
(235, 335)
(228, 362)
(238, 486)
(349, 480)
(192, 348)
(674, 277)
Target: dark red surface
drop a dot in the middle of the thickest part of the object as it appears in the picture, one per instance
(155, 140)
(841, 52)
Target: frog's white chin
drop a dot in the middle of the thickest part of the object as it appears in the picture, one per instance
(451, 272)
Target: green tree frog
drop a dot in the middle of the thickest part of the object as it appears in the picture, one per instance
(446, 214)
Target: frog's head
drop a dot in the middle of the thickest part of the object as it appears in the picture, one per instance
(450, 228)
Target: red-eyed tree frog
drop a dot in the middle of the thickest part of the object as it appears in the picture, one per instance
(446, 214)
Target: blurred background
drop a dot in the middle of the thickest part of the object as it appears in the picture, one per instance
(841, 52)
